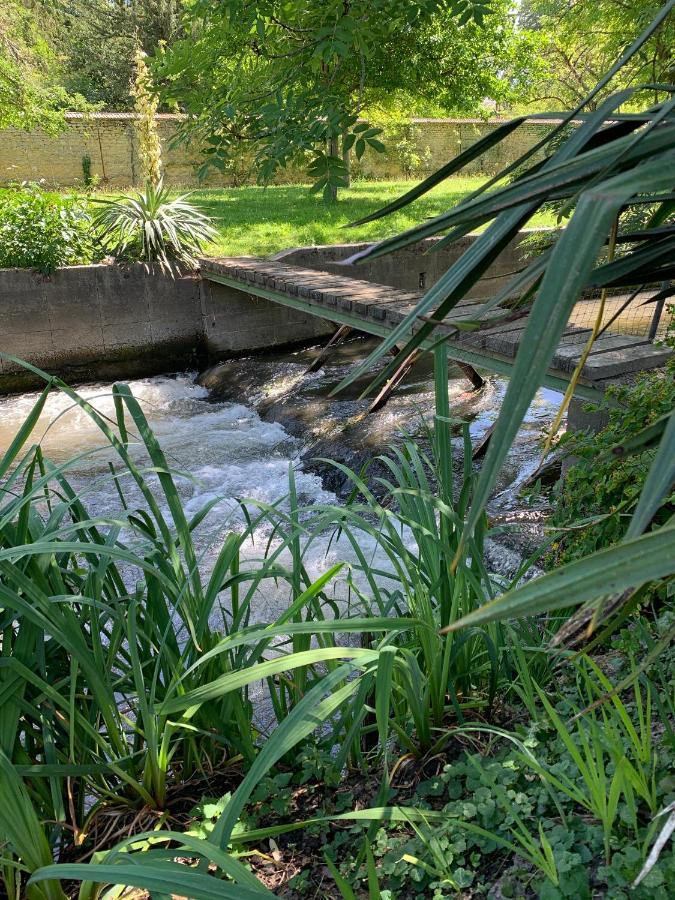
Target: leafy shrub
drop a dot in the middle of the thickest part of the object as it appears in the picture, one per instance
(151, 227)
(41, 230)
(603, 487)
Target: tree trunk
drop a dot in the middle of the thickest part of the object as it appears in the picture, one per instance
(333, 150)
(347, 160)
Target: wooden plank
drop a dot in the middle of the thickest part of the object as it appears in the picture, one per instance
(380, 308)
(567, 356)
(621, 362)
(575, 335)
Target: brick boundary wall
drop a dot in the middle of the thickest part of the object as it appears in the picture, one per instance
(109, 140)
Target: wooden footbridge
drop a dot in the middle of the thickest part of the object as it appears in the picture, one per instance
(376, 309)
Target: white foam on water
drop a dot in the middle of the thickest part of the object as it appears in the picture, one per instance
(219, 451)
(225, 453)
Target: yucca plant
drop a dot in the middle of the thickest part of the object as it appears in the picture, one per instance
(610, 164)
(154, 228)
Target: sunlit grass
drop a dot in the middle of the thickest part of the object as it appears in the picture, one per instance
(257, 221)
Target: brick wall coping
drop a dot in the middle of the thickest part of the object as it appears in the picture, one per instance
(421, 120)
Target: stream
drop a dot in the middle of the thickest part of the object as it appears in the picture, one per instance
(234, 431)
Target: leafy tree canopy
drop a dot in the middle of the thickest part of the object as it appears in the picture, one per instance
(579, 40)
(97, 42)
(289, 77)
(31, 92)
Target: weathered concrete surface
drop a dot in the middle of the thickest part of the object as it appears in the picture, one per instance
(90, 322)
(413, 269)
(236, 323)
(581, 418)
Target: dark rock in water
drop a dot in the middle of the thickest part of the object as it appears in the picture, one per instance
(366, 465)
(335, 427)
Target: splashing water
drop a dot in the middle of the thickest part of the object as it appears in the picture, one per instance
(223, 451)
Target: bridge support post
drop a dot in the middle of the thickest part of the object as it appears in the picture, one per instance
(339, 336)
(476, 380)
(398, 376)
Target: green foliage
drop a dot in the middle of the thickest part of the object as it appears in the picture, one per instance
(112, 636)
(153, 227)
(31, 92)
(92, 683)
(96, 42)
(595, 500)
(452, 832)
(292, 80)
(40, 230)
(87, 177)
(117, 683)
(427, 678)
(414, 159)
(603, 167)
(577, 42)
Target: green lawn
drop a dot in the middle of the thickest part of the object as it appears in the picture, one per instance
(258, 221)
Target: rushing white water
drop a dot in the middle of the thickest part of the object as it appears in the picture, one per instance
(218, 451)
(225, 452)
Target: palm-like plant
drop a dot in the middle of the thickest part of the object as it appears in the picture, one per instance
(152, 227)
(610, 164)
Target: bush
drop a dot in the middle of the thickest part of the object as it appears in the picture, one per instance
(151, 227)
(41, 230)
(603, 487)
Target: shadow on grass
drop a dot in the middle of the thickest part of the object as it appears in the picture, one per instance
(258, 221)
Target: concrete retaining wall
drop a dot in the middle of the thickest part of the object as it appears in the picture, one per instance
(88, 322)
(236, 323)
(106, 322)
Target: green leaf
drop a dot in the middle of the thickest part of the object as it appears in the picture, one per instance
(167, 878)
(475, 150)
(341, 883)
(606, 572)
(659, 482)
(26, 429)
(232, 681)
(572, 259)
(309, 714)
(348, 142)
(383, 689)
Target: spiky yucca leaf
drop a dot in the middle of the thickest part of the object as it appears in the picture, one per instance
(154, 228)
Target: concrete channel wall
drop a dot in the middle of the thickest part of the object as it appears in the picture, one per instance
(415, 268)
(86, 323)
(106, 321)
(89, 322)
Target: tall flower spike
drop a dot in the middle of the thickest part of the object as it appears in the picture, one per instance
(145, 102)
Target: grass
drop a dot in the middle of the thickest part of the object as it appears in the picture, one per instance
(258, 221)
